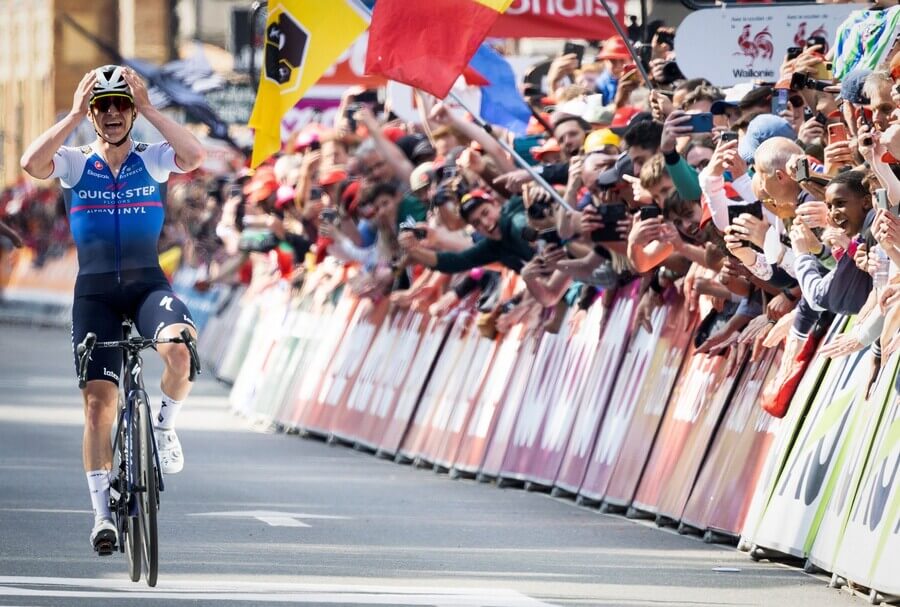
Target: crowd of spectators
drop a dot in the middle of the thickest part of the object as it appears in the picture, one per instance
(775, 203)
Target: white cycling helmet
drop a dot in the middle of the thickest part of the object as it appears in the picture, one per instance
(110, 82)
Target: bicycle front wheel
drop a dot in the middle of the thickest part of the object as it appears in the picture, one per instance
(127, 511)
(149, 496)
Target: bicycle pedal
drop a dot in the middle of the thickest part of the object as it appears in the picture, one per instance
(105, 544)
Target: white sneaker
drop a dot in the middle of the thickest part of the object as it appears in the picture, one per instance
(103, 536)
(171, 459)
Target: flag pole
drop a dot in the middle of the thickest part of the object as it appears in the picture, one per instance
(628, 45)
(515, 155)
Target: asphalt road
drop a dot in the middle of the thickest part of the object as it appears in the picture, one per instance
(258, 519)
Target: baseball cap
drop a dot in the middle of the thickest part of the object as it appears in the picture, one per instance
(471, 201)
(284, 195)
(420, 177)
(614, 48)
(332, 177)
(733, 97)
(761, 128)
(852, 87)
(262, 185)
(613, 175)
(551, 145)
(596, 141)
(626, 117)
(757, 96)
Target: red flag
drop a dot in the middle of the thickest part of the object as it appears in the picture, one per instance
(427, 44)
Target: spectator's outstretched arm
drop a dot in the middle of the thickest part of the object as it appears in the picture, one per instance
(393, 154)
(545, 283)
(37, 160)
(442, 115)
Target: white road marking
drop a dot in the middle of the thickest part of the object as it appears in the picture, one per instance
(47, 510)
(261, 592)
(274, 519)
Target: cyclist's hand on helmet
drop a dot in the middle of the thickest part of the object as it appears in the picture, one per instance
(138, 89)
(82, 99)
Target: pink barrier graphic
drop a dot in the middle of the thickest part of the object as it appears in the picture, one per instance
(514, 351)
(599, 382)
(727, 481)
(687, 428)
(614, 471)
(451, 361)
(317, 415)
(544, 384)
(509, 408)
(390, 431)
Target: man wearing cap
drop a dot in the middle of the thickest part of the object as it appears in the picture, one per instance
(614, 55)
(500, 225)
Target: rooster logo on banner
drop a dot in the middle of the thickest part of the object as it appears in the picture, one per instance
(755, 47)
(801, 36)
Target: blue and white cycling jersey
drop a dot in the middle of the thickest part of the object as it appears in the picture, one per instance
(115, 220)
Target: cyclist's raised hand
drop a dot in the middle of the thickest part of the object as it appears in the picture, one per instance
(138, 89)
(82, 98)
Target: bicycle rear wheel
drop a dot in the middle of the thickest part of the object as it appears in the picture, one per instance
(149, 497)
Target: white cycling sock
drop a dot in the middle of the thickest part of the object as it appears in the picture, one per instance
(168, 411)
(98, 483)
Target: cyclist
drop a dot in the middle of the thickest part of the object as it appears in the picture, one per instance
(114, 190)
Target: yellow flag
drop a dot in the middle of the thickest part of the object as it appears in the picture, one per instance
(303, 39)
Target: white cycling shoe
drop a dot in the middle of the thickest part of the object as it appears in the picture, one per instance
(104, 536)
(171, 458)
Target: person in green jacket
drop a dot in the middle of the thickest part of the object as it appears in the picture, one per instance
(500, 226)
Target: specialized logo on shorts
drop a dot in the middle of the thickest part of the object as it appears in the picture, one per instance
(166, 303)
(98, 165)
(188, 320)
(109, 373)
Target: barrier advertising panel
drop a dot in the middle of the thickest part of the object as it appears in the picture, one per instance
(458, 399)
(686, 433)
(614, 472)
(786, 434)
(408, 393)
(344, 366)
(512, 400)
(542, 388)
(514, 352)
(598, 382)
(451, 360)
(870, 547)
(727, 479)
(847, 475)
(350, 417)
(792, 516)
(386, 384)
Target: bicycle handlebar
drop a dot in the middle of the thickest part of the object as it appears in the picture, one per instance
(134, 344)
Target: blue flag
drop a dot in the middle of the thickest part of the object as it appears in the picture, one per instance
(501, 102)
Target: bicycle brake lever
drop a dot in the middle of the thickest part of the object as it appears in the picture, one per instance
(190, 344)
(84, 354)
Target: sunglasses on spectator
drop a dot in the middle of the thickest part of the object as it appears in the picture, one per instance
(120, 102)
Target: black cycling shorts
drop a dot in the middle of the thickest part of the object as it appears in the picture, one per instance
(151, 305)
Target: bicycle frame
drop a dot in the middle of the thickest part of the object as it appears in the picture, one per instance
(132, 387)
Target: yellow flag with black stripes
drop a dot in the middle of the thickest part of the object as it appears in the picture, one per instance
(303, 39)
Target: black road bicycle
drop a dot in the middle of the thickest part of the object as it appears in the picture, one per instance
(134, 492)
